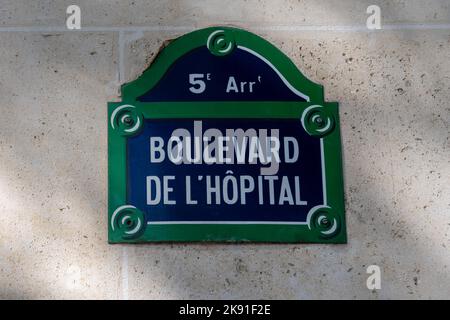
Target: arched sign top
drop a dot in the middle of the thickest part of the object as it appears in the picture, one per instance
(234, 65)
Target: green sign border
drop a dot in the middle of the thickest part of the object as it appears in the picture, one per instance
(126, 224)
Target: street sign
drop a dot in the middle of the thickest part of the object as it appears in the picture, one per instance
(223, 139)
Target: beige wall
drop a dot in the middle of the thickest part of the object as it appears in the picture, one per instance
(393, 86)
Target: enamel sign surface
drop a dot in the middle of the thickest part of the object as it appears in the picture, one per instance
(223, 139)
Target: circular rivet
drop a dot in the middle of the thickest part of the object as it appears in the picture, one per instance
(128, 121)
(128, 221)
(317, 120)
(221, 42)
(324, 222)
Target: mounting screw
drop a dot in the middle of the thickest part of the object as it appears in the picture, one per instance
(128, 120)
(325, 222)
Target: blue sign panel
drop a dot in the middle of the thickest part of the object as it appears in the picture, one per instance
(171, 180)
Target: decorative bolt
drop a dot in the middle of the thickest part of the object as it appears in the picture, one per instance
(319, 121)
(128, 120)
(325, 222)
